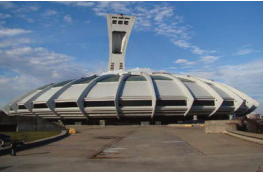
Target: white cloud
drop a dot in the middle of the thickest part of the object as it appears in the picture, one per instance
(7, 5)
(87, 21)
(12, 31)
(103, 7)
(29, 7)
(197, 50)
(33, 7)
(68, 19)
(30, 68)
(2, 23)
(14, 42)
(171, 68)
(25, 17)
(40, 63)
(180, 61)
(50, 12)
(184, 62)
(209, 59)
(4, 16)
(182, 44)
(245, 51)
(162, 12)
(77, 3)
(120, 6)
(179, 18)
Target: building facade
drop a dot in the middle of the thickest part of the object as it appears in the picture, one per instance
(121, 95)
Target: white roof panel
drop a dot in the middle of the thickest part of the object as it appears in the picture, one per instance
(222, 93)
(29, 96)
(198, 91)
(135, 89)
(73, 92)
(48, 94)
(167, 88)
(103, 90)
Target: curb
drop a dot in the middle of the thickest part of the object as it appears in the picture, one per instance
(246, 136)
(37, 143)
(185, 125)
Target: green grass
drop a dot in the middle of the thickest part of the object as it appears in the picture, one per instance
(32, 136)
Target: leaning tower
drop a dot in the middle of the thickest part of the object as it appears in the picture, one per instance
(119, 28)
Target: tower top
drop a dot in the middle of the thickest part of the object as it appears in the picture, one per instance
(119, 29)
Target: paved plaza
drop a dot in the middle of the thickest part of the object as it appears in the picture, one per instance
(131, 148)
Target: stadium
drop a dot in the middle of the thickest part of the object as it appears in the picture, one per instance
(122, 96)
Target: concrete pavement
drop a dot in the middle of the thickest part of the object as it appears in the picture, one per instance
(130, 148)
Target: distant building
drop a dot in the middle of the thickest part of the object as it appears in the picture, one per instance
(253, 115)
(121, 95)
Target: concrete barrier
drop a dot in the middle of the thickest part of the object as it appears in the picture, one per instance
(252, 137)
(220, 126)
(27, 124)
(36, 143)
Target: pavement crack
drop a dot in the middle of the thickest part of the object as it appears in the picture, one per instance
(95, 154)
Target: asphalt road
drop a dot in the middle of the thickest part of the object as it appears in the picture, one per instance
(130, 148)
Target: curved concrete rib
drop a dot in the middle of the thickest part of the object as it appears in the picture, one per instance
(187, 93)
(80, 101)
(28, 104)
(238, 101)
(51, 103)
(117, 95)
(152, 90)
(217, 98)
(13, 103)
(250, 103)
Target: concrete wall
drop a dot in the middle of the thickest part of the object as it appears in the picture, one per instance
(2, 113)
(220, 126)
(29, 124)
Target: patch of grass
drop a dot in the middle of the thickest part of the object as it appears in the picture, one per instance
(32, 136)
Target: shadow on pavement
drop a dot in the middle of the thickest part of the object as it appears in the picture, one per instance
(33, 154)
(4, 167)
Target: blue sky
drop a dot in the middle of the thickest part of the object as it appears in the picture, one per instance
(44, 42)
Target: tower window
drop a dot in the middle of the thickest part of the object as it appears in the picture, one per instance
(114, 22)
(120, 22)
(114, 17)
(112, 66)
(118, 40)
(127, 18)
(126, 22)
(121, 66)
(120, 17)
